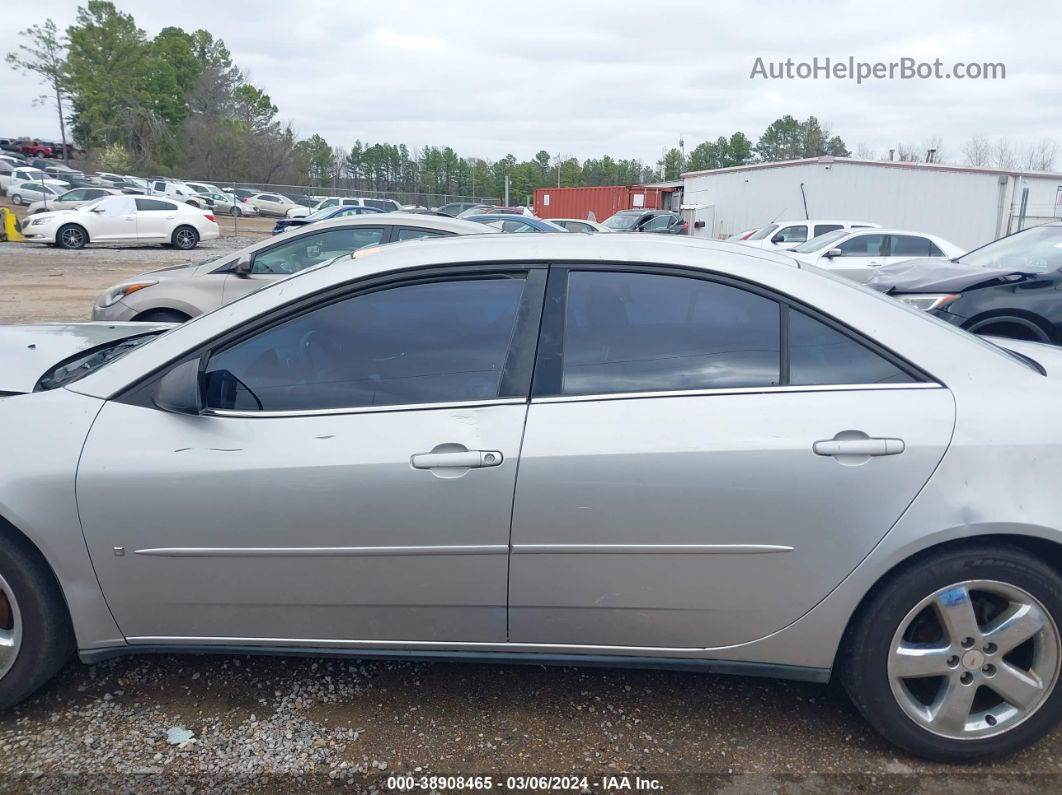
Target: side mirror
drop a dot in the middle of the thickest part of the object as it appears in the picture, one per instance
(179, 391)
(778, 239)
(834, 252)
(243, 266)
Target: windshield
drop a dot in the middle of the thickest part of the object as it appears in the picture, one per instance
(622, 220)
(89, 361)
(821, 241)
(767, 230)
(1035, 250)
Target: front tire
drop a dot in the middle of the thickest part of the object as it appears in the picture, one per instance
(71, 236)
(35, 634)
(235, 212)
(957, 657)
(185, 238)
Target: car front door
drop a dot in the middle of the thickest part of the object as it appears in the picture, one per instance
(113, 218)
(294, 255)
(350, 479)
(790, 236)
(859, 256)
(703, 463)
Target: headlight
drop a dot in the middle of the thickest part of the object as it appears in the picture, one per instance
(40, 221)
(928, 301)
(116, 294)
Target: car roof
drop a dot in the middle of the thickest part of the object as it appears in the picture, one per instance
(824, 221)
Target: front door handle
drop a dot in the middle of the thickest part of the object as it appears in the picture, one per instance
(467, 459)
(858, 447)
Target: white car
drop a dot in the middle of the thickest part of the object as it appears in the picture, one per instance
(177, 191)
(273, 204)
(70, 200)
(857, 253)
(16, 176)
(387, 205)
(123, 219)
(579, 225)
(784, 235)
(29, 192)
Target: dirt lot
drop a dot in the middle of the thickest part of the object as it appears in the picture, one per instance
(271, 724)
(45, 283)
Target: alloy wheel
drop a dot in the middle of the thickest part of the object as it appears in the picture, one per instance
(73, 238)
(974, 659)
(185, 238)
(10, 627)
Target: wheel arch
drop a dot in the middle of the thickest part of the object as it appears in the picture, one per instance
(1047, 550)
(1020, 317)
(88, 237)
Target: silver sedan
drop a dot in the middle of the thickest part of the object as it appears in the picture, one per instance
(557, 449)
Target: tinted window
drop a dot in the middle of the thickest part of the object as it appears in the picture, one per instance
(864, 246)
(419, 343)
(154, 204)
(77, 195)
(408, 233)
(764, 232)
(379, 204)
(514, 226)
(910, 246)
(637, 332)
(302, 252)
(791, 234)
(934, 251)
(819, 354)
(821, 229)
(656, 223)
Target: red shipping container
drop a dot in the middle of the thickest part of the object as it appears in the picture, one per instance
(602, 201)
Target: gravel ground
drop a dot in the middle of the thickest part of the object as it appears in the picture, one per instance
(222, 723)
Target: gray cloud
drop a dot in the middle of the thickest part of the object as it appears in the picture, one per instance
(589, 78)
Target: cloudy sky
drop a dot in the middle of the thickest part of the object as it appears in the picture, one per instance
(587, 78)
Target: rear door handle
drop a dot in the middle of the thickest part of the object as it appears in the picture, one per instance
(860, 447)
(466, 459)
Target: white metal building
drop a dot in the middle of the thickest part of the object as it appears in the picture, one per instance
(968, 206)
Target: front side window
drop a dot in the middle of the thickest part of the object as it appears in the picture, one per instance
(429, 342)
(791, 234)
(641, 332)
(302, 252)
(409, 233)
(864, 246)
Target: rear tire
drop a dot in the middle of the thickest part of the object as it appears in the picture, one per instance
(235, 212)
(71, 236)
(33, 619)
(16, 199)
(938, 615)
(185, 238)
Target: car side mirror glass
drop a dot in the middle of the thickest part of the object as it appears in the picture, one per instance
(243, 265)
(179, 390)
(778, 239)
(834, 252)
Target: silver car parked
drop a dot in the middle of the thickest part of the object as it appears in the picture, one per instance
(177, 293)
(558, 449)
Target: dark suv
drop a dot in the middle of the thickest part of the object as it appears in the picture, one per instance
(663, 222)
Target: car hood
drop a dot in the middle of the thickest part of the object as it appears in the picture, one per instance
(29, 351)
(928, 275)
(57, 214)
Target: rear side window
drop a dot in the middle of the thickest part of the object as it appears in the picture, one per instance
(379, 204)
(821, 229)
(819, 354)
(443, 341)
(154, 204)
(640, 332)
(911, 246)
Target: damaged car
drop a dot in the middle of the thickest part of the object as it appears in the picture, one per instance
(1011, 287)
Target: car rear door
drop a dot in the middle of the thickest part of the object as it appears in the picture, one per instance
(351, 480)
(155, 218)
(703, 462)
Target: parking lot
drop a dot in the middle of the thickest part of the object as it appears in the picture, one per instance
(250, 723)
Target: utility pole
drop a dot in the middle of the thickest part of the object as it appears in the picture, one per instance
(506, 190)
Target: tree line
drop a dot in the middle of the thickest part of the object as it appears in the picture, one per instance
(176, 103)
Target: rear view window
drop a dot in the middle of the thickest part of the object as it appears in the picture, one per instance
(639, 332)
